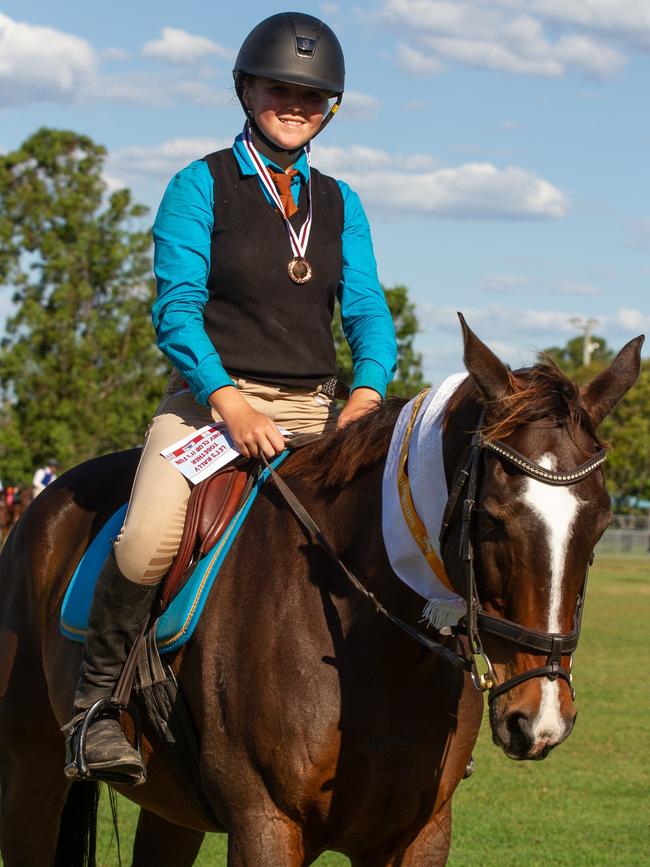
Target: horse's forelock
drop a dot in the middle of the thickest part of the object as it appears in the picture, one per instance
(336, 458)
(538, 393)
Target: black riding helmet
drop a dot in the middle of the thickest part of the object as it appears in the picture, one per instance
(294, 48)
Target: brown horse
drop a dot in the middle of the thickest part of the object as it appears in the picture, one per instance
(321, 724)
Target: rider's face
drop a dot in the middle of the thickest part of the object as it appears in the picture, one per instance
(288, 114)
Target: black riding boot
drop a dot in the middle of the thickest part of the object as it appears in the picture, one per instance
(119, 610)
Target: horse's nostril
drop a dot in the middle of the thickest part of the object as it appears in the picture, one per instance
(518, 727)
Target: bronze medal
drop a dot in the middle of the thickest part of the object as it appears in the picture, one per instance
(299, 269)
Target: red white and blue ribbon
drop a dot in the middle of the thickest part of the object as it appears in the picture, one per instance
(298, 240)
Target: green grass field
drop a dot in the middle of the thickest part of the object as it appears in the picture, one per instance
(588, 803)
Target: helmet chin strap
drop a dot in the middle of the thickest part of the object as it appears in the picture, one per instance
(264, 145)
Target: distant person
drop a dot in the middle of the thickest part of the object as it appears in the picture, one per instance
(43, 476)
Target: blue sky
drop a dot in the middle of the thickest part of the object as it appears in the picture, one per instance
(500, 147)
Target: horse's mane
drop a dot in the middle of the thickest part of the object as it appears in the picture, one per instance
(538, 393)
(336, 458)
(541, 392)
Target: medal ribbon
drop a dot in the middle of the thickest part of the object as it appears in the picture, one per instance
(415, 525)
(300, 240)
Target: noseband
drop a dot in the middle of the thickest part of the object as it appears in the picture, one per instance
(477, 621)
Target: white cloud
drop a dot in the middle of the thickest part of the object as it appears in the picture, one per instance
(494, 35)
(203, 92)
(160, 161)
(416, 62)
(360, 159)
(529, 329)
(41, 64)
(473, 190)
(588, 56)
(358, 105)
(627, 20)
(634, 321)
(182, 48)
(162, 88)
(134, 87)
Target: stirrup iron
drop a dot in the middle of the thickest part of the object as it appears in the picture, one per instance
(76, 732)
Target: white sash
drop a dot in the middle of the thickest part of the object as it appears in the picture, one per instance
(428, 484)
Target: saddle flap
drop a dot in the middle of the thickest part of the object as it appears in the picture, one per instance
(220, 504)
(212, 505)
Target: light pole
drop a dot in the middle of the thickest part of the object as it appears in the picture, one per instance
(589, 346)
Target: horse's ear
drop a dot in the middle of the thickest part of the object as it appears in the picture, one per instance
(602, 394)
(489, 373)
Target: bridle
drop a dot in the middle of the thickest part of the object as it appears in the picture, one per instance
(478, 621)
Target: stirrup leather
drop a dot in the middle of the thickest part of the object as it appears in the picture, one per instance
(76, 732)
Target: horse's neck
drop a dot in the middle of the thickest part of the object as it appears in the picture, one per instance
(360, 544)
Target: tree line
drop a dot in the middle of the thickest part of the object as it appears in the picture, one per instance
(80, 374)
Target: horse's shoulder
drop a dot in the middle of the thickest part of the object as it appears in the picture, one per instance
(110, 471)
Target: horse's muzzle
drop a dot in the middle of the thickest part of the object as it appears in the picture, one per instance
(528, 731)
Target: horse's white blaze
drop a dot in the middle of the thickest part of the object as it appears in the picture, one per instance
(557, 508)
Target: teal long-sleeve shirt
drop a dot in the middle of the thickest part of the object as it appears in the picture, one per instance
(182, 235)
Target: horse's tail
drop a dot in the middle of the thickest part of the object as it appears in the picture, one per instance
(78, 827)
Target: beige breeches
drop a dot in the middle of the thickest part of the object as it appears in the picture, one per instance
(154, 520)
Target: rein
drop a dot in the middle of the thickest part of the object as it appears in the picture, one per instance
(477, 620)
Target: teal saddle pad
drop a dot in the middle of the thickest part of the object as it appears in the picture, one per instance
(177, 624)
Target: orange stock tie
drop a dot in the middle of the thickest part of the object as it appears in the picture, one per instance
(283, 183)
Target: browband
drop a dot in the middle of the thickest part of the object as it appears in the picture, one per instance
(541, 473)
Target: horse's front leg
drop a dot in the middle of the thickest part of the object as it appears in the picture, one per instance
(267, 839)
(429, 849)
(33, 792)
(164, 844)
